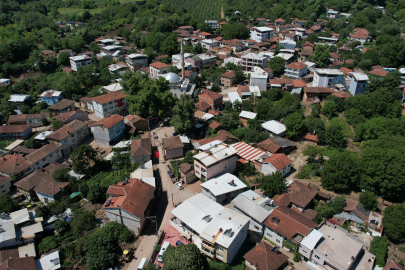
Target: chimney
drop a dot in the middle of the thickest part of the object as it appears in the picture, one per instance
(129, 201)
(182, 60)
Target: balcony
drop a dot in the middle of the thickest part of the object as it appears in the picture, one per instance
(208, 252)
(204, 172)
(208, 247)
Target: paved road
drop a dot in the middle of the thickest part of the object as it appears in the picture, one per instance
(169, 196)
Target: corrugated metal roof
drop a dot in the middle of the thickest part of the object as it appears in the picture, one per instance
(248, 115)
(49, 261)
(247, 152)
(192, 213)
(209, 145)
(14, 145)
(8, 231)
(312, 239)
(221, 184)
(250, 208)
(20, 216)
(31, 230)
(274, 127)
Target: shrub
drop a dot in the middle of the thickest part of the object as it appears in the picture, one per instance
(378, 247)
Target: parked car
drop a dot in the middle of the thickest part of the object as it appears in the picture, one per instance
(178, 185)
(179, 243)
(100, 150)
(66, 164)
(170, 173)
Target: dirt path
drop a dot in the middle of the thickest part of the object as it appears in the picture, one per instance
(222, 12)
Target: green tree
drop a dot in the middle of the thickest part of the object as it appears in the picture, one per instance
(83, 157)
(61, 175)
(329, 109)
(369, 200)
(96, 194)
(235, 31)
(63, 59)
(32, 143)
(277, 64)
(170, 45)
(334, 135)
(174, 69)
(227, 121)
(321, 55)
(42, 211)
(294, 124)
(379, 248)
(47, 243)
(61, 226)
(100, 251)
(56, 124)
(394, 223)
(82, 221)
(94, 47)
(184, 257)
(341, 172)
(8, 204)
(272, 184)
(183, 119)
(335, 206)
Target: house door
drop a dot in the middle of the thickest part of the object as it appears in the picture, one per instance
(46, 200)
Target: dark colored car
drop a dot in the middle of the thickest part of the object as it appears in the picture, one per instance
(170, 173)
(179, 243)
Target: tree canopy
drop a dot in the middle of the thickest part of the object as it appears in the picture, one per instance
(183, 119)
(184, 257)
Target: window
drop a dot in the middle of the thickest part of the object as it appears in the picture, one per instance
(219, 248)
(3, 191)
(220, 256)
(317, 257)
(197, 166)
(269, 235)
(36, 163)
(51, 155)
(304, 251)
(2, 186)
(43, 159)
(278, 241)
(257, 228)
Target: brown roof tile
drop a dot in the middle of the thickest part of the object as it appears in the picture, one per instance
(185, 168)
(159, 65)
(51, 168)
(109, 121)
(65, 116)
(67, 130)
(199, 114)
(215, 125)
(288, 223)
(268, 145)
(25, 263)
(9, 253)
(63, 104)
(205, 93)
(172, 143)
(297, 65)
(24, 117)
(318, 90)
(379, 72)
(109, 97)
(14, 128)
(223, 136)
(393, 265)
(41, 182)
(202, 105)
(228, 74)
(264, 258)
(279, 161)
(42, 153)
(141, 147)
(14, 164)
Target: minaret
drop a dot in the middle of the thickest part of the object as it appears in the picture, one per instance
(182, 60)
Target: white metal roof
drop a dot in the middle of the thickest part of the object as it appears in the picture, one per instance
(136, 55)
(233, 97)
(30, 230)
(2, 80)
(251, 195)
(312, 239)
(402, 71)
(207, 116)
(216, 153)
(248, 115)
(209, 145)
(107, 40)
(359, 76)
(309, 64)
(247, 151)
(250, 208)
(223, 184)
(8, 232)
(184, 139)
(123, 144)
(285, 56)
(331, 71)
(193, 211)
(18, 98)
(20, 216)
(42, 135)
(111, 47)
(14, 145)
(79, 58)
(274, 126)
(113, 87)
(264, 29)
(50, 261)
(54, 93)
(145, 173)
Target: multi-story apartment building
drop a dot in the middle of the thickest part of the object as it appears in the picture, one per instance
(209, 44)
(44, 156)
(215, 100)
(402, 71)
(260, 34)
(296, 70)
(218, 231)
(251, 60)
(108, 130)
(202, 60)
(228, 78)
(135, 61)
(79, 61)
(327, 77)
(69, 136)
(5, 184)
(223, 188)
(109, 104)
(51, 97)
(215, 158)
(157, 69)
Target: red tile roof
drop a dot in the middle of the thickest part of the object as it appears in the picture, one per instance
(67, 130)
(341, 94)
(264, 258)
(65, 116)
(25, 263)
(202, 105)
(393, 265)
(379, 72)
(318, 90)
(14, 129)
(134, 197)
(269, 146)
(42, 152)
(141, 147)
(109, 121)
(63, 104)
(159, 65)
(215, 125)
(103, 99)
(311, 137)
(51, 168)
(335, 55)
(279, 161)
(216, 113)
(346, 70)
(279, 20)
(41, 182)
(299, 83)
(228, 74)
(288, 223)
(205, 93)
(172, 143)
(14, 164)
(297, 65)
(205, 34)
(281, 81)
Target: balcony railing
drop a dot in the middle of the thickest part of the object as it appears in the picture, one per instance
(208, 252)
(203, 172)
(210, 248)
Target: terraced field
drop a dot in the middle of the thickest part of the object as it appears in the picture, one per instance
(201, 9)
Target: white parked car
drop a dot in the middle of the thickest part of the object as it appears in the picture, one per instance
(178, 185)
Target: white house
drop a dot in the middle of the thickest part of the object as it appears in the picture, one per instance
(18, 98)
(219, 232)
(223, 188)
(5, 81)
(157, 69)
(358, 83)
(327, 77)
(271, 163)
(251, 60)
(259, 79)
(212, 23)
(209, 44)
(79, 61)
(234, 97)
(109, 104)
(108, 130)
(402, 71)
(274, 127)
(288, 44)
(136, 59)
(296, 70)
(48, 262)
(260, 34)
